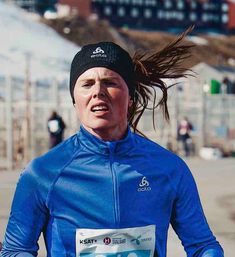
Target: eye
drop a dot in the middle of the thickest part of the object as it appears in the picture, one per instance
(86, 85)
(110, 83)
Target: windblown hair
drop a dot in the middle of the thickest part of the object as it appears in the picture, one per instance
(150, 70)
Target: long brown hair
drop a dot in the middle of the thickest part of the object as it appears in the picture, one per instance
(150, 70)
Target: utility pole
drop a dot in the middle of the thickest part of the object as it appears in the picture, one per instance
(27, 143)
(9, 124)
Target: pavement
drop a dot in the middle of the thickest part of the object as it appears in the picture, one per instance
(216, 184)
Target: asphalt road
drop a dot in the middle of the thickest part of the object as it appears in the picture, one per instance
(216, 185)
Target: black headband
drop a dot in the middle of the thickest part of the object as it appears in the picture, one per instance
(103, 54)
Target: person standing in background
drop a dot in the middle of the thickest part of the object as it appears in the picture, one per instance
(56, 127)
(184, 135)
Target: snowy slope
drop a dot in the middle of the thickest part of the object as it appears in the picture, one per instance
(49, 54)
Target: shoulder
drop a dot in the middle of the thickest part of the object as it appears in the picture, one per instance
(154, 149)
(50, 164)
(38, 178)
(161, 158)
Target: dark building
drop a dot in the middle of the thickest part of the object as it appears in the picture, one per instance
(168, 14)
(38, 6)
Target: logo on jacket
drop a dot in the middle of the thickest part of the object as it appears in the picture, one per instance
(99, 52)
(144, 185)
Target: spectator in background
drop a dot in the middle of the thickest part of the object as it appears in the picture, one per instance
(56, 127)
(184, 130)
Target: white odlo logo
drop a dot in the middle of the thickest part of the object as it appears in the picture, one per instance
(98, 50)
(144, 182)
(144, 185)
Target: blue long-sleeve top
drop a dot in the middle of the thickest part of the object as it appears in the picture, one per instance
(89, 183)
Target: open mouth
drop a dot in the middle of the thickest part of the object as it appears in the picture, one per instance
(100, 108)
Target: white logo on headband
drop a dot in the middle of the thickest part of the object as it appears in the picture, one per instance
(99, 52)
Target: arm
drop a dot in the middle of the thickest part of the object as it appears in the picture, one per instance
(27, 218)
(188, 219)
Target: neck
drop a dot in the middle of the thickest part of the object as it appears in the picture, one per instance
(108, 134)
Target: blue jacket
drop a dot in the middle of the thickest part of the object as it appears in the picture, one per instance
(87, 183)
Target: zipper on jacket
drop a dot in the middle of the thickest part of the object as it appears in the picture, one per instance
(115, 185)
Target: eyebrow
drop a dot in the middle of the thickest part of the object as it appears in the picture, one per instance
(102, 79)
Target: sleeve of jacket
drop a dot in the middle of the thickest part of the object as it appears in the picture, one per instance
(188, 219)
(27, 217)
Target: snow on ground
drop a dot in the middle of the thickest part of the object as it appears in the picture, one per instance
(197, 40)
(49, 55)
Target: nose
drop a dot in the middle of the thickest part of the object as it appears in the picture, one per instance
(99, 90)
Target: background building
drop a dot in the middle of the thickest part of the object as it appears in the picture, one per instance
(168, 14)
(39, 6)
(82, 7)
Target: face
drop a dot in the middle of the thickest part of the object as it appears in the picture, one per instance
(101, 102)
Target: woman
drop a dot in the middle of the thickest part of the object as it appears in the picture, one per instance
(107, 191)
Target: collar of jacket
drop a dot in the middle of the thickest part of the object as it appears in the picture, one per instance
(99, 146)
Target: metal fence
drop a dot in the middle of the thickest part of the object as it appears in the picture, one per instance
(25, 108)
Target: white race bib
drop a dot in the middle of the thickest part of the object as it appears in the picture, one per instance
(53, 125)
(127, 242)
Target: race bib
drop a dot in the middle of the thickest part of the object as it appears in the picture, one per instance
(127, 242)
(53, 126)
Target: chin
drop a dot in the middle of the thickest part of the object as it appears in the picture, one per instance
(100, 125)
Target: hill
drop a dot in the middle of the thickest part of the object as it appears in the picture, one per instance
(25, 41)
(211, 49)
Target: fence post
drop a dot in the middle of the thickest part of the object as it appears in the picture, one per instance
(32, 120)
(27, 137)
(9, 127)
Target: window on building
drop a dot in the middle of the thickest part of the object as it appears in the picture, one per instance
(137, 2)
(169, 15)
(147, 13)
(160, 14)
(205, 17)
(205, 6)
(224, 7)
(107, 10)
(193, 5)
(122, 1)
(121, 11)
(167, 4)
(193, 16)
(180, 4)
(180, 16)
(134, 12)
(150, 2)
(210, 6)
(225, 18)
